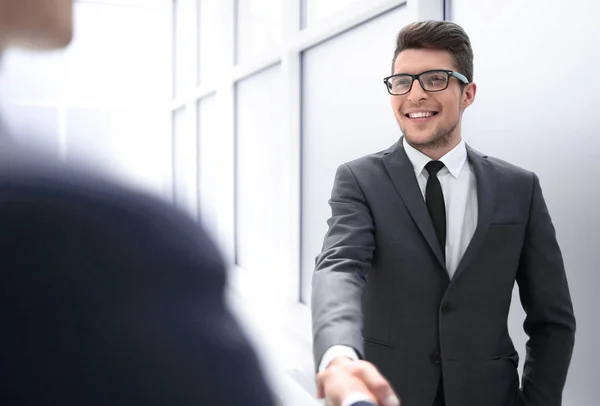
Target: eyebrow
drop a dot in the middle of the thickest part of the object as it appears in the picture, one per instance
(423, 71)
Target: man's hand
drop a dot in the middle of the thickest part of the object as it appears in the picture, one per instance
(345, 377)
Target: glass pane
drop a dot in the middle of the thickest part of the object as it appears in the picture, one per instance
(342, 122)
(318, 10)
(119, 65)
(127, 143)
(260, 28)
(211, 45)
(185, 163)
(185, 49)
(261, 198)
(93, 134)
(209, 168)
(28, 77)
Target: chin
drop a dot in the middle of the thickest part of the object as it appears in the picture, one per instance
(421, 136)
(417, 138)
(430, 136)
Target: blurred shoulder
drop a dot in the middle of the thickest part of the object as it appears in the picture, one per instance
(31, 181)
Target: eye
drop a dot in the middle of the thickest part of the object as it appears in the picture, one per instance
(401, 82)
(437, 78)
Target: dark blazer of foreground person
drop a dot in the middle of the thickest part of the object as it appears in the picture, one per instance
(110, 297)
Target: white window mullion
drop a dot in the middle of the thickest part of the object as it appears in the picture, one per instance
(168, 181)
(226, 114)
(291, 79)
(61, 115)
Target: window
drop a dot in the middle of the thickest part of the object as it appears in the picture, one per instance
(261, 224)
(210, 40)
(317, 11)
(25, 77)
(209, 167)
(104, 96)
(262, 83)
(259, 30)
(117, 140)
(185, 163)
(184, 46)
(246, 104)
(345, 115)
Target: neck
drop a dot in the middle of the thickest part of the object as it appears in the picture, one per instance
(438, 148)
(436, 152)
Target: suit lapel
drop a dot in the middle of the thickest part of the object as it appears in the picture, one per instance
(485, 177)
(403, 177)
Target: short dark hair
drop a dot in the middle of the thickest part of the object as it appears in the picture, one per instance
(438, 35)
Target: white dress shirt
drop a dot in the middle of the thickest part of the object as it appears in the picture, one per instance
(460, 197)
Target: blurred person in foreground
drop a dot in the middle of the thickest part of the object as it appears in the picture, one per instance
(108, 296)
(426, 241)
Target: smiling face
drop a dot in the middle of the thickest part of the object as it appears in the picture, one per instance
(430, 121)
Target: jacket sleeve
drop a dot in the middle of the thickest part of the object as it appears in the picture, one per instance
(340, 274)
(550, 322)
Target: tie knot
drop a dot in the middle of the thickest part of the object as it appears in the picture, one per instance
(433, 167)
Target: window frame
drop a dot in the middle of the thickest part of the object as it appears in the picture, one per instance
(284, 306)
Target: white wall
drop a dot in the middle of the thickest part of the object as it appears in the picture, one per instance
(105, 98)
(537, 101)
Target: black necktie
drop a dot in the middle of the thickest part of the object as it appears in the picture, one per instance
(435, 202)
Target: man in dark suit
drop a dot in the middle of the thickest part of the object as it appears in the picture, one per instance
(425, 242)
(108, 296)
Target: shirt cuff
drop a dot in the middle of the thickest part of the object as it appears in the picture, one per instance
(335, 352)
(355, 398)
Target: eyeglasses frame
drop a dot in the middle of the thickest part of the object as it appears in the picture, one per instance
(450, 73)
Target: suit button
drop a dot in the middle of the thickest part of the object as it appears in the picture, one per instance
(446, 308)
(435, 358)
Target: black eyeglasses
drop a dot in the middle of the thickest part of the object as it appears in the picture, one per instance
(431, 81)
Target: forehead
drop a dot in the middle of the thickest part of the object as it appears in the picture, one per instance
(419, 60)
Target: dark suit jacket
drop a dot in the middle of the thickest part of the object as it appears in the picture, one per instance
(381, 287)
(110, 297)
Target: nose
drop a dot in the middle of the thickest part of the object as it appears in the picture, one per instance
(416, 92)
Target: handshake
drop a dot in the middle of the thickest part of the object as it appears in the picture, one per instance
(346, 382)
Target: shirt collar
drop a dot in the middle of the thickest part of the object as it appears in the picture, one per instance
(454, 160)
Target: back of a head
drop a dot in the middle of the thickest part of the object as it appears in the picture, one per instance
(36, 24)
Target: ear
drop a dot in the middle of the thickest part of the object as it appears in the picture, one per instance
(468, 95)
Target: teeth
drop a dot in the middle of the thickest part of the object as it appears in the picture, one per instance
(421, 114)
